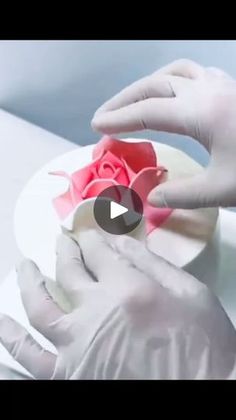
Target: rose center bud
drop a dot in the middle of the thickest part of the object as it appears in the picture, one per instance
(107, 170)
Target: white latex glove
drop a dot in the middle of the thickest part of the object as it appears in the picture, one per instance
(134, 316)
(183, 98)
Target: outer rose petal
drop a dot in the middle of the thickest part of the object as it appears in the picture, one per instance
(64, 204)
(137, 155)
(143, 183)
(83, 176)
(73, 191)
(155, 217)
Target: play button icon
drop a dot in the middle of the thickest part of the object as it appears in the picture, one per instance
(118, 210)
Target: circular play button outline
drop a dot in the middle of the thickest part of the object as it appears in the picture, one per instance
(118, 210)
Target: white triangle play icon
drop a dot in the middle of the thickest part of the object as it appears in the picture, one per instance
(116, 210)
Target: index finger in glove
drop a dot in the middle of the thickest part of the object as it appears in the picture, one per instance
(152, 86)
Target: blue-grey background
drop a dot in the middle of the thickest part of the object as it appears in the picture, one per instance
(59, 84)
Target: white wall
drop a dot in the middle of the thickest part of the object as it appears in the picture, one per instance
(59, 84)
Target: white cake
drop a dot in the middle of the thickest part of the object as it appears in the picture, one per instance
(188, 238)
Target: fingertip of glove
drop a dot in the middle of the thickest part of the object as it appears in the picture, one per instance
(26, 265)
(63, 242)
(95, 123)
(28, 273)
(157, 199)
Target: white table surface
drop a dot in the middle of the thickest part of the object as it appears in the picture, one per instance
(24, 148)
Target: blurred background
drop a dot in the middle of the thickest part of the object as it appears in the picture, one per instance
(59, 84)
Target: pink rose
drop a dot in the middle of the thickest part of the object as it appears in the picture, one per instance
(115, 162)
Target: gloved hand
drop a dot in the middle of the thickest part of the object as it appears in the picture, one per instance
(188, 99)
(134, 316)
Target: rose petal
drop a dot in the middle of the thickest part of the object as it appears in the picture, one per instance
(66, 202)
(97, 186)
(143, 183)
(121, 176)
(81, 177)
(85, 175)
(110, 157)
(107, 170)
(60, 173)
(130, 173)
(154, 217)
(137, 155)
(64, 205)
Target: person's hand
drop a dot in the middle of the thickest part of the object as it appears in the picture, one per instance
(134, 316)
(188, 99)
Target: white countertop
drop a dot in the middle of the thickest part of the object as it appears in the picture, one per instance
(24, 148)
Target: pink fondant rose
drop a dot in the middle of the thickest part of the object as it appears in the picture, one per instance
(115, 162)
